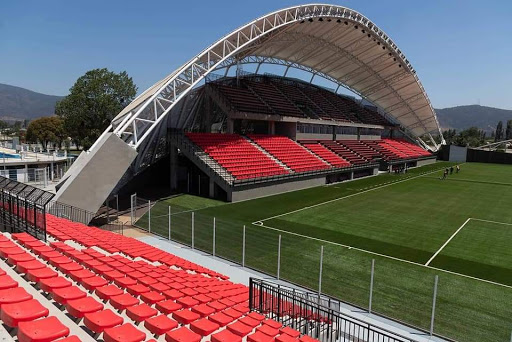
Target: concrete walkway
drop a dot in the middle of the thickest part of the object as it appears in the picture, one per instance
(238, 274)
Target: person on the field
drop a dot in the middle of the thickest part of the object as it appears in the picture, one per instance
(451, 170)
(445, 172)
(458, 169)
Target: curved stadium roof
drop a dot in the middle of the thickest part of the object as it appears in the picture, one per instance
(329, 41)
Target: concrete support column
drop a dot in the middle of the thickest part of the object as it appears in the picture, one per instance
(272, 127)
(211, 191)
(358, 133)
(351, 175)
(230, 126)
(26, 173)
(173, 167)
(51, 171)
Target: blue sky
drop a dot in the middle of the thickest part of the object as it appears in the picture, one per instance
(461, 50)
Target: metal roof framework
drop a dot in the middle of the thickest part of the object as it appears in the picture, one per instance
(333, 42)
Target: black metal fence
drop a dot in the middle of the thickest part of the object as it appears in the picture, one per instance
(23, 208)
(313, 315)
(69, 212)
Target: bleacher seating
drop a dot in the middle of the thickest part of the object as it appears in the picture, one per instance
(237, 155)
(360, 148)
(243, 99)
(344, 152)
(414, 148)
(275, 99)
(122, 289)
(276, 95)
(290, 153)
(326, 154)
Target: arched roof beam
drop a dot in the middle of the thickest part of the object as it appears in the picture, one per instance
(135, 123)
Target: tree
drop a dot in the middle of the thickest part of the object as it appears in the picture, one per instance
(46, 130)
(94, 100)
(499, 132)
(508, 131)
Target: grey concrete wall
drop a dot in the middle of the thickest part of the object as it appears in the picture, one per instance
(313, 136)
(370, 137)
(346, 137)
(276, 188)
(458, 154)
(425, 162)
(100, 170)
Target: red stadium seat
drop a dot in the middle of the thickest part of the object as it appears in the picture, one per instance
(42, 330)
(124, 333)
(100, 320)
(79, 307)
(14, 295)
(182, 334)
(226, 336)
(12, 314)
(141, 312)
(239, 328)
(64, 294)
(159, 325)
(203, 327)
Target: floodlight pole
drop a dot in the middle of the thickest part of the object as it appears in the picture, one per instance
(436, 280)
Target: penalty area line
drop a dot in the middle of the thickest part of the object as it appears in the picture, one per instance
(447, 241)
(261, 225)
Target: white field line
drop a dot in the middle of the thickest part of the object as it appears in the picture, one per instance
(447, 241)
(260, 224)
(506, 224)
(344, 197)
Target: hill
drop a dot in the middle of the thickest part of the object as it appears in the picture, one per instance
(462, 117)
(18, 103)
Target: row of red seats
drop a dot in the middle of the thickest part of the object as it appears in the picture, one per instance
(343, 151)
(237, 155)
(326, 154)
(290, 153)
(106, 275)
(98, 320)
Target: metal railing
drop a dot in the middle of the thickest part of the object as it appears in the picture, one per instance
(69, 212)
(313, 315)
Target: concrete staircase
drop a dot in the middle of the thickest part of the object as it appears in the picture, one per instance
(204, 162)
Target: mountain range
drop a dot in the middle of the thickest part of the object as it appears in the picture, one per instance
(18, 104)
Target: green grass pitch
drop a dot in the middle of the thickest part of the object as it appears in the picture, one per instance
(401, 221)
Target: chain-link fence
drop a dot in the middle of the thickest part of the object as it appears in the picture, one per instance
(454, 305)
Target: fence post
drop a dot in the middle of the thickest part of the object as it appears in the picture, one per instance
(279, 257)
(214, 229)
(243, 248)
(436, 280)
(149, 216)
(371, 287)
(320, 272)
(169, 223)
(192, 230)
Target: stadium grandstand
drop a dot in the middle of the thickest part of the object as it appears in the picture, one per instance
(264, 111)
(226, 132)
